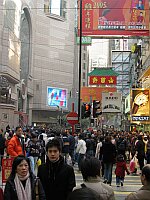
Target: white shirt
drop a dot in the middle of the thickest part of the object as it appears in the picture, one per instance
(81, 147)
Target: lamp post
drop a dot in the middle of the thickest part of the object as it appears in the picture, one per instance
(80, 62)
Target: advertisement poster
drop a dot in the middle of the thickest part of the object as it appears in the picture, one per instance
(56, 97)
(111, 102)
(114, 17)
(94, 93)
(140, 105)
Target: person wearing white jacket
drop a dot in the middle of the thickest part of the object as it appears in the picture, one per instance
(81, 150)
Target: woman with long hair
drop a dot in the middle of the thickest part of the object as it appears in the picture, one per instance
(22, 184)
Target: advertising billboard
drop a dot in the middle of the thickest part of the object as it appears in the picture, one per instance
(114, 17)
(94, 93)
(140, 105)
(111, 102)
(56, 97)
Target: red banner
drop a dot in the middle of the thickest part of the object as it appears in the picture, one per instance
(114, 17)
(103, 80)
(94, 93)
(6, 168)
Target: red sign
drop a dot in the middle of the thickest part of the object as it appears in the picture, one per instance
(114, 17)
(72, 118)
(103, 80)
(6, 168)
(94, 93)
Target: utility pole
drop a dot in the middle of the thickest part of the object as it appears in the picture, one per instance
(80, 62)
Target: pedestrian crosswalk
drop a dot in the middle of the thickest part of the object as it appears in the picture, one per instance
(132, 183)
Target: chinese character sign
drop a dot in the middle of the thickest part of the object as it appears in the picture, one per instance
(114, 17)
(6, 168)
(103, 80)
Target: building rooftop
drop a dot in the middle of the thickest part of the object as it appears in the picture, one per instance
(103, 72)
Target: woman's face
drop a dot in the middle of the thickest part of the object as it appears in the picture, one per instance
(22, 168)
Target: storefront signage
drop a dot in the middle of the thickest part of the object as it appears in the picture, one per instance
(103, 80)
(140, 118)
(85, 40)
(111, 102)
(140, 104)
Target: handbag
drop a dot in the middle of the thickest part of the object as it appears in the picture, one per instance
(37, 190)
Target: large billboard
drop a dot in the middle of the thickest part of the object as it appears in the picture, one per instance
(140, 105)
(115, 17)
(94, 93)
(56, 97)
(111, 102)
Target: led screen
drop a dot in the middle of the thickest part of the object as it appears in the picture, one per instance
(57, 97)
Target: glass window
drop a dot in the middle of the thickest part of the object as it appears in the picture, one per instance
(55, 7)
(83, 75)
(84, 66)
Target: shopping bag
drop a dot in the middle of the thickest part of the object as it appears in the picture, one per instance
(38, 162)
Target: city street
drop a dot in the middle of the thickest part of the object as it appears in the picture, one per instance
(131, 184)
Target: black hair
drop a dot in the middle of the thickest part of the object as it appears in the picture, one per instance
(18, 128)
(146, 172)
(90, 167)
(84, 194)
(53, 143)
(17, 161)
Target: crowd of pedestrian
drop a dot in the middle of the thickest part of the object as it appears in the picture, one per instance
(52, 156)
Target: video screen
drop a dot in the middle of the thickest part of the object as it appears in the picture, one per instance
(57, 97)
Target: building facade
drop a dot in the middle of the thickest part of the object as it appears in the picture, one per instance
(36, 58)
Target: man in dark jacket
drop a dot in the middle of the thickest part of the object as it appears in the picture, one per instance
(109, 154)
(57, 178)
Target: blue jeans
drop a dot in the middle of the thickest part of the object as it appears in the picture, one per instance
(33, 161)
(108, 172)
(119, 179)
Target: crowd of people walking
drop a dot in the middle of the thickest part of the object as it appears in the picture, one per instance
(44, 161)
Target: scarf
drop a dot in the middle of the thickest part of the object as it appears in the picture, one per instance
(23, 193)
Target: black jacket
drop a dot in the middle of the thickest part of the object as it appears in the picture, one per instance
(108, 152)
(58, 179)
(10, 190)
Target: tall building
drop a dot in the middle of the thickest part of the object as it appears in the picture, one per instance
(36, 60)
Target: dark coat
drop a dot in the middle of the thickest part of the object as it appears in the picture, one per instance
(108, 152)
(140, 149)
(10, 190)
(58, 179)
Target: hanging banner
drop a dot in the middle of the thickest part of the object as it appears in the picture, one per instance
(114, 17)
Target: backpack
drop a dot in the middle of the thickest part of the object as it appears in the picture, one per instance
(122, 146)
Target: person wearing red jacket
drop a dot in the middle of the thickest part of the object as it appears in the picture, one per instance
(16, 145)
(121, 167)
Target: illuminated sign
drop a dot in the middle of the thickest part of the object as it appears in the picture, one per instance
(56, 97)
(114, 17)
(140, 104)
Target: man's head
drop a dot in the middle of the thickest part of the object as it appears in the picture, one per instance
(90, 167)
(19, 131)
(1, 131)
(145, 176)
(53, 150)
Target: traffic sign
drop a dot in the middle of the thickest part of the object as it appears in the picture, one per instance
(72, 118)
